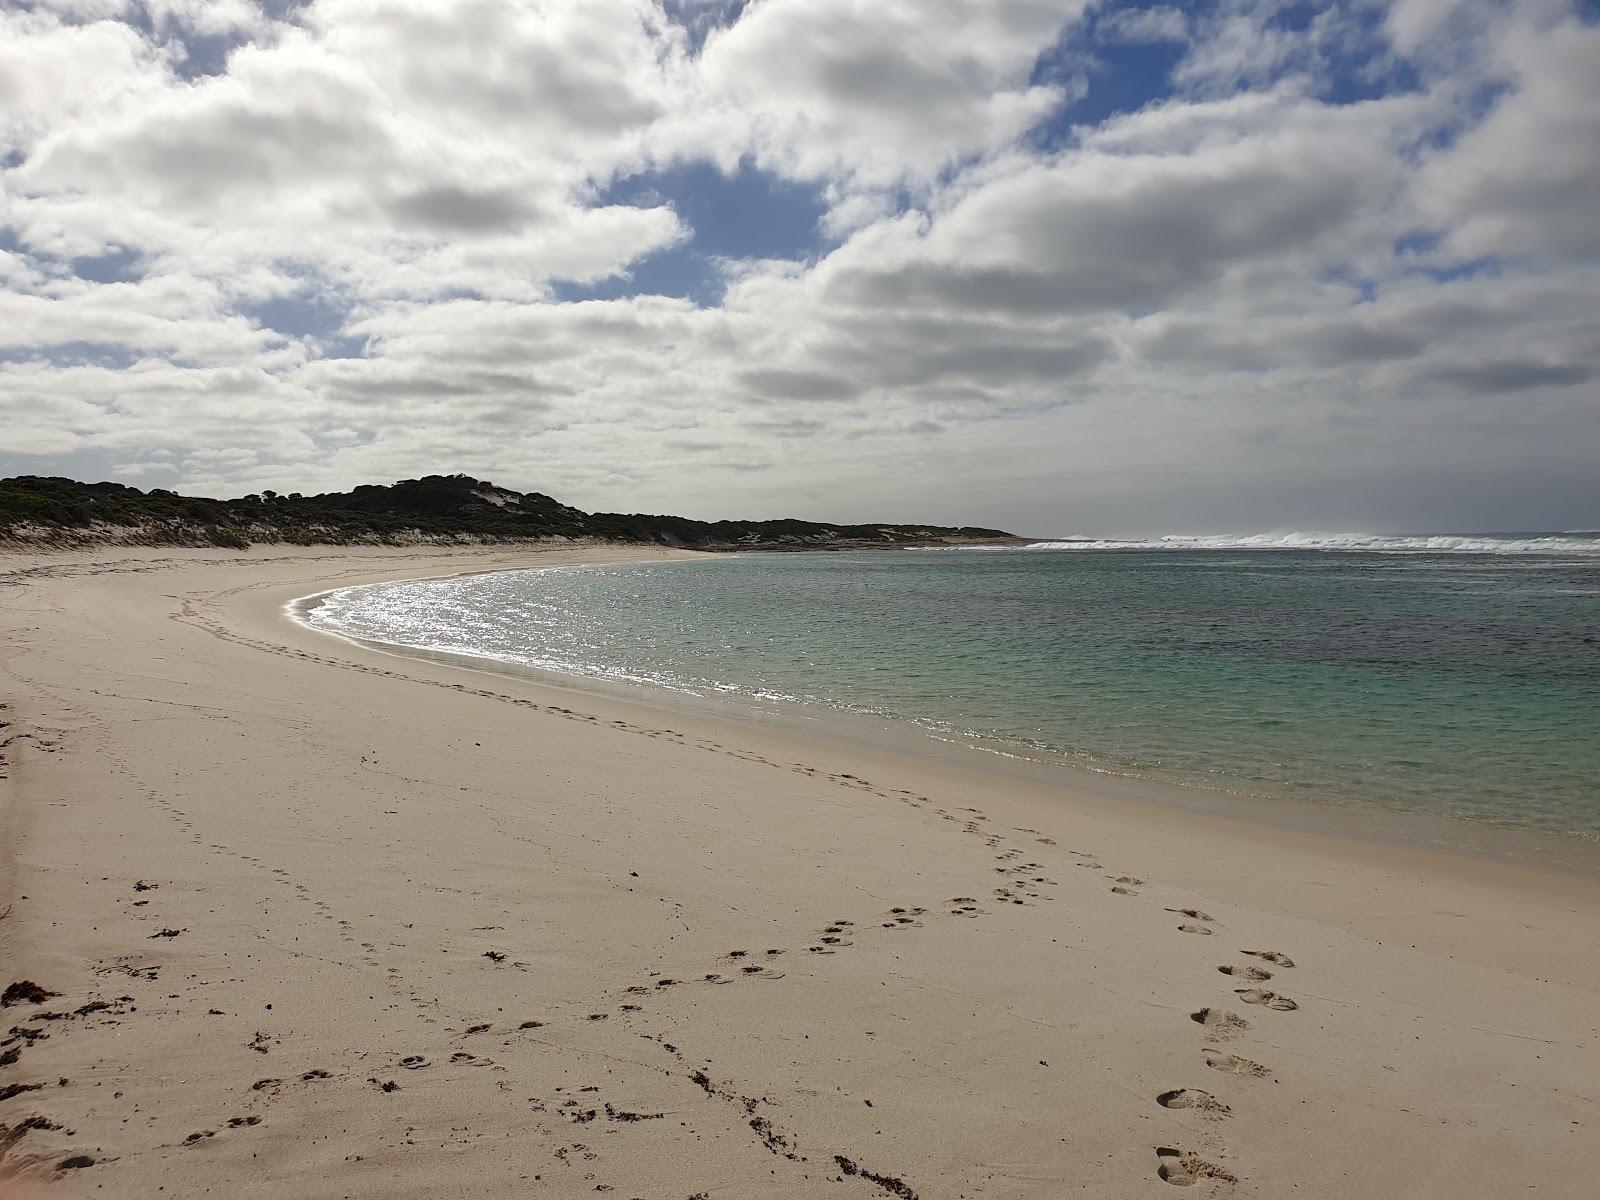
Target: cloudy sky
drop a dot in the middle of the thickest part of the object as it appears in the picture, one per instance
(1054, 265)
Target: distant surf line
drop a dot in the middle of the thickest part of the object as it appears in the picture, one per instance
(1368, 543)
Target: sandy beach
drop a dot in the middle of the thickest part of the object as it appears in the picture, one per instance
(324, 921)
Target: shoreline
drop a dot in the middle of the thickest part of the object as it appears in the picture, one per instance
(598, 944)
(1356, 819)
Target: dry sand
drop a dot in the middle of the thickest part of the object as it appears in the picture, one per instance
(328, 922)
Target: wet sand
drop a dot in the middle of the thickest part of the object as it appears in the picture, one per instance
(325, 921)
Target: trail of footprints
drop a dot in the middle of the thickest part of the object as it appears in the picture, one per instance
(1187, 1167)
(1021, 882)
(831, 938)
(1175, 1165)
(362, 952)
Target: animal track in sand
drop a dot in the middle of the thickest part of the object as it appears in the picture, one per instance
(1266, 999)
(1223, 1025)
(1122, 891)
(1191, 912)
(1252, 973)
(1272, 956)
(1203, 1102)
(1232, 1064)
(1134, 880)
(1184, 1170)
(1195, 929)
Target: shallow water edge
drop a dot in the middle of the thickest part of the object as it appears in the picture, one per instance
(1565, 853)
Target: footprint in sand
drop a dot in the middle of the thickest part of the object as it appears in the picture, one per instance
(1272, 956)
(1223, 1025)
(1252, 973)
(1185, 1170)
(903, 918)
(1122, 891)
(1266, 999)
(1201, 929)
(1203, 1102)
(1232, 1064)
(1191, 912)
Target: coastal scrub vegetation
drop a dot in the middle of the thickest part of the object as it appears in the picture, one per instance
(435, 508)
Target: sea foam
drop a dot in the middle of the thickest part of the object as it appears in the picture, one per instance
(1370, 543)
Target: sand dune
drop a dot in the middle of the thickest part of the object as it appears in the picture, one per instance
(321, 921)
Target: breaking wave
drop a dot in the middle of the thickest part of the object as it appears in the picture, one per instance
(1370, 543)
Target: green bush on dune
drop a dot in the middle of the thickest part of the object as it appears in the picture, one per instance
(435, 508)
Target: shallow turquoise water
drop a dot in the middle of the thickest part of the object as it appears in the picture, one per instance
(1464, 683)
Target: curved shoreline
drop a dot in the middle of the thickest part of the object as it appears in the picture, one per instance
(1478, 837)
(272, 873)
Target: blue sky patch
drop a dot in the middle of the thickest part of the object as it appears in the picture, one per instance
(749, 214)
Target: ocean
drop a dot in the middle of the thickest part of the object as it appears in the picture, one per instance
(1454, 675)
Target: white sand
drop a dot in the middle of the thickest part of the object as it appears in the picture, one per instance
(342, 837)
